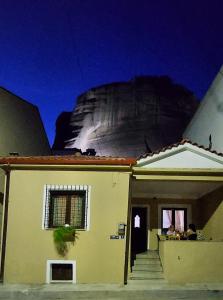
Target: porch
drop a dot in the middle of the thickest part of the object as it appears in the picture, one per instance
(198, 195)
(182, 181)
(192, 261)
(200, 199)
(192, 201)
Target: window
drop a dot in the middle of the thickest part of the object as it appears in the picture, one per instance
(175, 216)
(67, 208)
(66, 205)
(137, 221)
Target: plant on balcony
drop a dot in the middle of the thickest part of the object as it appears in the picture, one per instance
(61, 236)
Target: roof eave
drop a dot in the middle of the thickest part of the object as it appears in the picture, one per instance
(66, 167)
(178, 171)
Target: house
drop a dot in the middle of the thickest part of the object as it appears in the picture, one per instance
(205, 127)
(21, 131)
(119, 206)
(100, 189)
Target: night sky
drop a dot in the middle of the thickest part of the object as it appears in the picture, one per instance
(53, 50)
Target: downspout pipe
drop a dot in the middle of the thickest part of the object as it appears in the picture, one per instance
(5, 222)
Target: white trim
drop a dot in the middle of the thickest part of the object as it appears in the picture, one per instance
(49, 270)
(88, 208)
(148, 220)
(143, 162)
(77, 187)
(44, 206)
(174, 205)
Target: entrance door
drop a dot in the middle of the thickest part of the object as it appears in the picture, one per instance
(139, 230)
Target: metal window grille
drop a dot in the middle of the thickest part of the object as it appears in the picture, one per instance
(66, 204)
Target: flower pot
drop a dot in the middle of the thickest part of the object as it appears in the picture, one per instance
(69, 237)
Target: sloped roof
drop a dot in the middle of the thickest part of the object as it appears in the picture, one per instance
(103, 160)
(176, 145)
(184, 154)
(67, 160)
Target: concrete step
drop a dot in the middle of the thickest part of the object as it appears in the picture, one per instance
(147, 267)
(154, 268)
(146, 261)
(148, 254)
(145, 275)
(146, 282)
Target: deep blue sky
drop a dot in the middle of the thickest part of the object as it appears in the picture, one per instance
(53, 50)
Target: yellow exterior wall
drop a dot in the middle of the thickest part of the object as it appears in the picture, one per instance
(2, 183)
(211, 217)
(153, 220)
(21, 127)
(192, 261)
(98, 259)
(21, 131)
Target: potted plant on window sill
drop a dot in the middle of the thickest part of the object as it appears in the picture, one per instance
(61, 236)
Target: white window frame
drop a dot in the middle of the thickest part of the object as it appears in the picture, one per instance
(174, 205)
(50, 262)
(57, 187)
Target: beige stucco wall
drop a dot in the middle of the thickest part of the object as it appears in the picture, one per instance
(98, 259)
(213, 229)
(211, 207)
(2, 182)
(208, 117)
(154, 225)
(192, 261)
(21, 127)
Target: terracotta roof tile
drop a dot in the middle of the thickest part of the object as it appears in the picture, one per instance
(67, 160)
(175, 145)
(91, 160)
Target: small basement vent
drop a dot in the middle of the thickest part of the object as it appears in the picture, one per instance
(61, 271)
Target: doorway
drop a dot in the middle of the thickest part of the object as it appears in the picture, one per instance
(139, 230)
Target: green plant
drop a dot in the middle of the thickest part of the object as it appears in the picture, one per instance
(61, 236)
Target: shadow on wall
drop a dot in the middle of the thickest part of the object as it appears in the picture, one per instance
(1, 210)
(210, 206)
(1, 198)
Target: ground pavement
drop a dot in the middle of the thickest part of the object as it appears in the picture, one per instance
(110, 292)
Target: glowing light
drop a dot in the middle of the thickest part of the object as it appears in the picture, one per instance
(137, 221)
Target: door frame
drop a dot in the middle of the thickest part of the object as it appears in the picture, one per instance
(148, 220)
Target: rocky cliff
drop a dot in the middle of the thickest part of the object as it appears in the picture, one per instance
(127, 118)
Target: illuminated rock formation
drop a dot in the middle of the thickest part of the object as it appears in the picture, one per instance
(128, 118)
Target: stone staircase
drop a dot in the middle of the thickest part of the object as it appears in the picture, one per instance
(147, 268)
